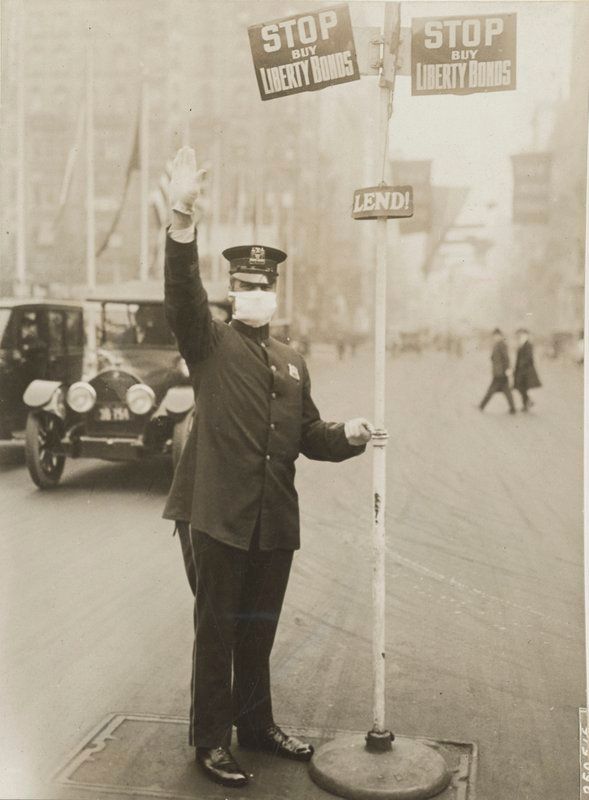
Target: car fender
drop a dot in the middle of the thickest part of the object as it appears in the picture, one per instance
(178, 400)
(46, 395)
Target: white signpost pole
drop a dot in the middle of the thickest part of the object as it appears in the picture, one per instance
(377, 765)
(380, 437)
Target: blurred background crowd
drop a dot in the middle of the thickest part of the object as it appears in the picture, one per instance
(499, 179)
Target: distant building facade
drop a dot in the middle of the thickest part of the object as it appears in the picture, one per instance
(280, 171)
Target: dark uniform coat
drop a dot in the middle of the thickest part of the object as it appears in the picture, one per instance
(255, 415)
(524, 375)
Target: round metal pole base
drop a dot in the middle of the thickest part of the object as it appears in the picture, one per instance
(410, 770)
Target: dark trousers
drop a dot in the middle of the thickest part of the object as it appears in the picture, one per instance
(498, 384)
(238, 599)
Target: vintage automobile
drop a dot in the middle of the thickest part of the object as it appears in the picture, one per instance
(39, 340)
(138, 403)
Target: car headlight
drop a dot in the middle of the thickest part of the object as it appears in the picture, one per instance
(140, 398)
(81, 397)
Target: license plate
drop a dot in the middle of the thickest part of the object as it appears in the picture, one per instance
(113, 413)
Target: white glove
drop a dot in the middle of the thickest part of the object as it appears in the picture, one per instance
(358, 431)
(186, 182)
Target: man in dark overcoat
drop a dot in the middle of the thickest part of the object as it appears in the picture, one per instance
(233, 495)
(525, 376)
(500, 368)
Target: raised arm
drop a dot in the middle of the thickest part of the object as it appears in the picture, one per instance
(186, 301)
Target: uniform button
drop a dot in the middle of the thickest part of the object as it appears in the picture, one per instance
(273, 395)
(268, 458)
(273, 368)
(273, 426)
(263, 344)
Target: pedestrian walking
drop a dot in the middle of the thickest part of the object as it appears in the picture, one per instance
(233, 492)
(525, 376)
(500, 367)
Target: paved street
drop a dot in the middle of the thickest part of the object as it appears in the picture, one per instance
(484, 625)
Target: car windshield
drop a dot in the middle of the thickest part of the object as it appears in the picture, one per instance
(4, 330)
(135, 325)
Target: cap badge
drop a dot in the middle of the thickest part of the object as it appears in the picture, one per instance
(257, 255)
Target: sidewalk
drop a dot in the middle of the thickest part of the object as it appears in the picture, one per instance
(147, 756)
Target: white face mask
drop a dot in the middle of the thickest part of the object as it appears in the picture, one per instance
(255, 308)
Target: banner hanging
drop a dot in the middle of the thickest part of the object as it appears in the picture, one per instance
(418, 175)
(531, 187)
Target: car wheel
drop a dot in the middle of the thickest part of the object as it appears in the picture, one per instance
(179, 437)
(43, 434)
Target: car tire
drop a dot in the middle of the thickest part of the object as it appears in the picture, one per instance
(179, 437)
(45, 467)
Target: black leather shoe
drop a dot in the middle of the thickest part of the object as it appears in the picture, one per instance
(219, 765)
(273, 740)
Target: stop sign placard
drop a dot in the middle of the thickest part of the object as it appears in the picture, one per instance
(304, 52)
(463, 55)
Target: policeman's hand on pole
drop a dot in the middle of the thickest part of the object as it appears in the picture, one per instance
(186, 187)
(358, 430)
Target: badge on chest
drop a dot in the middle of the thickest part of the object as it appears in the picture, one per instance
(293, 372)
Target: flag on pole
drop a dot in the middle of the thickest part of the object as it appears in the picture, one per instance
(448, 202)
(70, 166)
(531, 187)
(133, 165)
(419, 175)
(159, 199)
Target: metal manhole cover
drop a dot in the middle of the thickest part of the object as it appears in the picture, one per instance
(143, 755)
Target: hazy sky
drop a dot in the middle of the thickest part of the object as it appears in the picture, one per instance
(471, 137)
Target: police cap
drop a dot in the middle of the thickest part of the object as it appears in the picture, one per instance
(253, 263)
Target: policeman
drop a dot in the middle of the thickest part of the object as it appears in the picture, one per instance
(234, 484)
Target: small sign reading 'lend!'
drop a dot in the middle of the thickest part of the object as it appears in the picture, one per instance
(383, 201)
